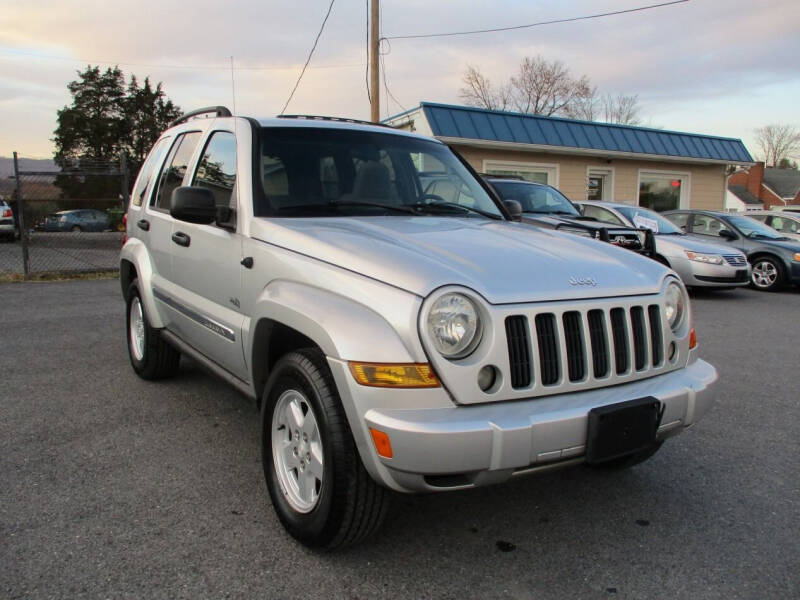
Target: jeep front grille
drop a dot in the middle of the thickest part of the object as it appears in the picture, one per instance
(565, 345)
(519, 355)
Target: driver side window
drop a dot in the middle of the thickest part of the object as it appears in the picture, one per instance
(705, 225)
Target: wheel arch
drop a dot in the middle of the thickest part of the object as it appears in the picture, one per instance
(289, 315)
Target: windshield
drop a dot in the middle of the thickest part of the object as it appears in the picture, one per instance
(306, 172)
(536, 198)
(752, 228)
(648, 219)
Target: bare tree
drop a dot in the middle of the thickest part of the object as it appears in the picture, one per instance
(547, 88)
(544, 87)
(621, 109)
(777, 142)
(479, 91)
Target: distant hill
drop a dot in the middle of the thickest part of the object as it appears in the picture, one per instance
(25, 164)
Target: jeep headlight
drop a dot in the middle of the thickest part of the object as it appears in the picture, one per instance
(711, 259)
(674, 305)
(454, 325)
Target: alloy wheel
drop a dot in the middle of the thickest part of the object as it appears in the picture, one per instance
(297, 450)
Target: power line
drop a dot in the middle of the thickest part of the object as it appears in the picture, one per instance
(310, 54)
(385, 83)
(569, 20)
(174, 66)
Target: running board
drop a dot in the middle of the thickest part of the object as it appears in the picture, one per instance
(207, 363)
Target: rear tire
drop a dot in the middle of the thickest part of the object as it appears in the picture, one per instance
(76, 229)
(321, 491)
(151, 357)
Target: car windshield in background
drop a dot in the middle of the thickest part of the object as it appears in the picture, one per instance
(308, 172)
(536, 198)
(754, 229)
(649, 219)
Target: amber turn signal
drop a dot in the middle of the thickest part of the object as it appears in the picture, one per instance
(398, 375)
(692, 339)
(382, 443)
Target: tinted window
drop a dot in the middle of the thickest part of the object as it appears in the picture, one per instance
(535, 198)
(175, 168)
(601, 214)
(146, 172)
(217, 168)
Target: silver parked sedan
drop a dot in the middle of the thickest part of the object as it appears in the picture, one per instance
(697, 262)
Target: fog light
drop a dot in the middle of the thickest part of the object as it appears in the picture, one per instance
(486, 377)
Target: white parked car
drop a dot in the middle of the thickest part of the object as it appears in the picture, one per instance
(698, 262)
(785, 222)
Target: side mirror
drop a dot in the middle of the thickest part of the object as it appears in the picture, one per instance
(193, 205)
(514, 209)
(727, 234)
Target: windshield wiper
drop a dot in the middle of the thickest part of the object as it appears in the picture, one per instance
(394, 207)
(450, 207)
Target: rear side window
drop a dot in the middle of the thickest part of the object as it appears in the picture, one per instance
(217, 168)
(175, 168)
(143, 181)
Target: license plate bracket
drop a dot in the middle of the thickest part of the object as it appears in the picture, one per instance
(623, 428)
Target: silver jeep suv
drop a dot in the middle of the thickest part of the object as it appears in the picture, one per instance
(394, 339)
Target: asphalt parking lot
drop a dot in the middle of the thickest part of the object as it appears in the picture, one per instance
(114, 487)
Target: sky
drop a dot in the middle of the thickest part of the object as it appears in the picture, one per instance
(721, 67)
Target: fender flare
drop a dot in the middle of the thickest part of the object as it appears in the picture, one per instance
(135, 252)
(343, 328)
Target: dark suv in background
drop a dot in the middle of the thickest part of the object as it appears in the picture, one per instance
(775, 258)
(545, 206)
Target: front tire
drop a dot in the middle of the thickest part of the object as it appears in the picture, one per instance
(767, 274)
(151, 357)
(321, 491)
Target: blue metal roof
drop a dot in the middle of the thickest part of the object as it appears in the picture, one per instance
(499, 126)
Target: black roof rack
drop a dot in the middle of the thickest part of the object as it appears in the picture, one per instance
(219, 111)
(335, 119)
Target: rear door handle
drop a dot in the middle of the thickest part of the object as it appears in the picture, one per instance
(181, 238)
(143, 224)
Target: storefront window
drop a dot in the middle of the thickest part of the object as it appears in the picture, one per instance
(660, 191)
(535, 173)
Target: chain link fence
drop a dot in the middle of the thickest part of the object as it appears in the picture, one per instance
(65, 222)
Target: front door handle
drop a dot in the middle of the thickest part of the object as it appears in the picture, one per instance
(143, 224)
(181, 238)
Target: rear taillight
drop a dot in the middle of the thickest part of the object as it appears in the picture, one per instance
(7, 213)
(125, 220)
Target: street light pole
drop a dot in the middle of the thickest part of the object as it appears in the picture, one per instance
(374, 89)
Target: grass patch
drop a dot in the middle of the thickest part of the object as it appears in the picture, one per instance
(58, 276)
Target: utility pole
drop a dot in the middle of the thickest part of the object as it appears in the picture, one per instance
(374, 85)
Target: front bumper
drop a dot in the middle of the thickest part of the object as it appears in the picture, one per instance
(697, 274)
(453, 447)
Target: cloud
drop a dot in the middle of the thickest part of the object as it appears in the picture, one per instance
(697, 53)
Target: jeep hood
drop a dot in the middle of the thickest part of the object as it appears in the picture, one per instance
(504, 262)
